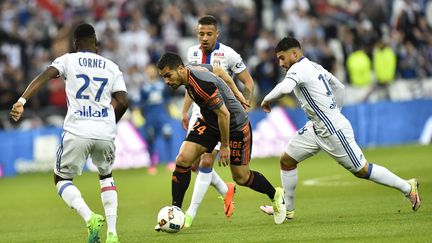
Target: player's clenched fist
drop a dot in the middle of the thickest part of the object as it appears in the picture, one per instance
(17, 110)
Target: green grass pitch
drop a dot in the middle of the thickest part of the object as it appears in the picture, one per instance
(331, 205)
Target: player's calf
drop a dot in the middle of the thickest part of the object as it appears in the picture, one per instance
(179, 184)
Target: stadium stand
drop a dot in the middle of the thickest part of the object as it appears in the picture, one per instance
(134, 33)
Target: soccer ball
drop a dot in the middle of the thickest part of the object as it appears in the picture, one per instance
(171, 219)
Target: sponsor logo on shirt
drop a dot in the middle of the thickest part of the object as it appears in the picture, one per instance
(88, 111)
(239, 65)
(219, 54)
(195, 53)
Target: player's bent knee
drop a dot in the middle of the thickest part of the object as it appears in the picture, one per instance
(206, 161)
(181, 160)
(58, 178)
(241, 180)
(364, 172)
(287, 162)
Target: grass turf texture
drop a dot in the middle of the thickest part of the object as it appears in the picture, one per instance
(331, 205)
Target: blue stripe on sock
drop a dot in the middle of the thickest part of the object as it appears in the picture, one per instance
(205, 170)
(369, 171)
(60, 192)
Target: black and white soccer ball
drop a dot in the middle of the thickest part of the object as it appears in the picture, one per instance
(171, 219)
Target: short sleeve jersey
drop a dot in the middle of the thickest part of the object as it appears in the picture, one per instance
(316, 96)
(209, 93)
(90, 81)
(222, 55)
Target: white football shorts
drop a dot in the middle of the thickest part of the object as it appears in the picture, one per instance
(194, 117)
(340, 145)
(74, 152)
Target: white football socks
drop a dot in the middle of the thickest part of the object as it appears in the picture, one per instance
(72, 196)
(109, 202)
(289, 182)
(219, 184)
(383, 176)
(202, 182)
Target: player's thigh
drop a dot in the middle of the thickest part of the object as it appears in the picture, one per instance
(303, 144)
(72, 155)
(103, 156)
(344, 149)
(189, 152)
(201, 133)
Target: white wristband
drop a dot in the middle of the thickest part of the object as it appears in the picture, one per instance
(22, 100)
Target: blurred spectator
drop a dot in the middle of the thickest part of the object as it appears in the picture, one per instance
(426, 52)
(172, 25)
(406, 18)
(134, 33)
(359, 68)
(134, 42)
(384, 63)
(266, 73)
(8, 83)
(409, 61)
(152, 104)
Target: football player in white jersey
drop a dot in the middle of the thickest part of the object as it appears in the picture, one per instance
(210, 51)
(97, 99)
(320, 95)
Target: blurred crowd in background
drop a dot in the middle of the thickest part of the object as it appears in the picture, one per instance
(364, 43)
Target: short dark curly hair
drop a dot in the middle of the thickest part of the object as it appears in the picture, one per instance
(169, 59)
(208, 20)
(83, 31)
(286, 44)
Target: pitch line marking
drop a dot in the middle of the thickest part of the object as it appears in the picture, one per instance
(333, 180)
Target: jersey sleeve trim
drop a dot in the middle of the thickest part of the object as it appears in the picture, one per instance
(198, 89)
(214, 100)
(292, 79)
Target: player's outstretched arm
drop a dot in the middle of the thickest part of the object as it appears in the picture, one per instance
(35, 85)
(230, 82)
(284, 87)
(120, 103)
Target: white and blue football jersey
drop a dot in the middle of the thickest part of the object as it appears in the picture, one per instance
(222, 56)
(312, 85)
(90, 81)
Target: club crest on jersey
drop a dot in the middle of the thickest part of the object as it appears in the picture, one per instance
(87, 111)
(195, 53)
(219, 54)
